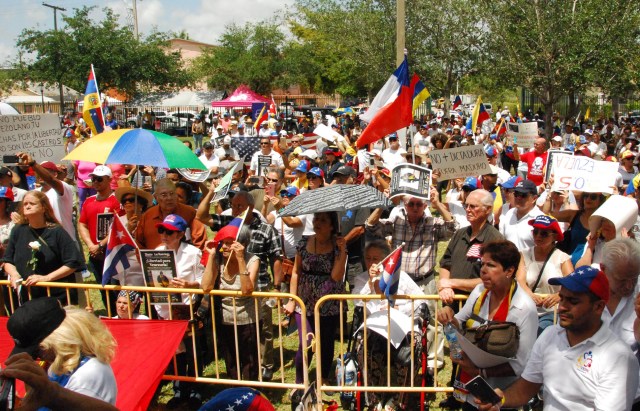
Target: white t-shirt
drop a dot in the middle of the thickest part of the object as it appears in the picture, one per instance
(63, 208)
(551, 270)
(211, 162)
(422, 142)
(518, 231)
(276, 160)
(96, 380)
(600, 373)
(292, 235)
(391, 158)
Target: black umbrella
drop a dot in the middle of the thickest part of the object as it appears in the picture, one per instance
(340, 197)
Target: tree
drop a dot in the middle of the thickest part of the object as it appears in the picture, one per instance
(251, 54)
(119, 60)
(555, 48)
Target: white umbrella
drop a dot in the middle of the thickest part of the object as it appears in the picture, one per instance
(7, 109)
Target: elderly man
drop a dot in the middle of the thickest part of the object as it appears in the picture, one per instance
(165, 194)
(621, 264)
(460, 264)
(265, 245)
(536, 160)
(514, 226)
(420, 233)
(579, 362)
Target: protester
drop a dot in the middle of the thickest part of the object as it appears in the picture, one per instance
(540, 263)
(498, 298)
(76, 344)
(579, 363)
(83, 169)
(319, 270)
(39, 249)
(189, 275)
(514, 226)
(6, 223)
(237, 270)
(265, 157)
(128, 306)
(536, 160)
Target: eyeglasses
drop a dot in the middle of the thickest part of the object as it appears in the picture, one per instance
(518, 194)
(162, 230)
(168, 194)
(591, 196)
(97, 179)
(542, 233)
(417, 204)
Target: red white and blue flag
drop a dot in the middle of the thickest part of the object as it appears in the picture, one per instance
(230, 230)
(390, 277)
(92, 108)
(456, 103)
(391, 109)
(119, 244)
(259, 111)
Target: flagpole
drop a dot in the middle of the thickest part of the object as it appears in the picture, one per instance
(95, 79)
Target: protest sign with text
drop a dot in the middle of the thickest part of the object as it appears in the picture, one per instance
(40, 135)
(583, 174)
(523, 134)
(460, 162)
(551, 158)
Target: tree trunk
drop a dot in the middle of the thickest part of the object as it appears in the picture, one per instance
(573, 111)
(548, 125)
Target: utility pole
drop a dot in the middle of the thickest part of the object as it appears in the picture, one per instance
(400, 31)
(135, 20)
(55, 27)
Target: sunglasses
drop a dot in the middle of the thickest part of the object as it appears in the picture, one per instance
(97, 179)
(310, 176)
(263, 143)
(414, 204)
(162, 230)
(591, 196)
(128, 200)
(271, 180)
(542, 233)
(518, 194)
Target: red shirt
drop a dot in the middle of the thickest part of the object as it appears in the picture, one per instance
(535, 166)
(92, 207)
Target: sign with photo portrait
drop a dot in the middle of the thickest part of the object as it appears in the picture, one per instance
(410, 179)
(159, 267)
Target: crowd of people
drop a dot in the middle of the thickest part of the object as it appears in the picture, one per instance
(520, 249)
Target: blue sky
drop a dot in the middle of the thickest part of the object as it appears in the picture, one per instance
(203, 20)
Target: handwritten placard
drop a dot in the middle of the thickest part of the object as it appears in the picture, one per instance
(583, 174)
(40, 135)
(523, 134)
(460, 162)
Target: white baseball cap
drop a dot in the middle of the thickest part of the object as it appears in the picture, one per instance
(101, 171)
(312, 154)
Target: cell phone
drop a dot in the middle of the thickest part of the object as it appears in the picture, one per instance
(10, 159)
(481, 389)
(372, 161)
(270, 189)
(7, 393)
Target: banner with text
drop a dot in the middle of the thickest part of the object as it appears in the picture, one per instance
(583, 174)
(523, 134)
(37, 134)
(459, 162)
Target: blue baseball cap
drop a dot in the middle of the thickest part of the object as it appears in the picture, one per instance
(471, 183)
(173, 222)
(512, 182)
(316, 172)
(290, 191)
(491, 152)
(303, 166)
(585, 279)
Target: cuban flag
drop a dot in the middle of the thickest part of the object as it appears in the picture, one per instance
(391, 274)
(119, 244)
(457, 102)
(92, 108)
(391, 109)
(480, 114)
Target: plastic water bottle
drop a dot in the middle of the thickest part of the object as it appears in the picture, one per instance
(350, 372)
(454, 344)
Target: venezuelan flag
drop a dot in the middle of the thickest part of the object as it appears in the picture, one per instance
(92, 109)
(420, 93)
(480, 114)
(260, 111)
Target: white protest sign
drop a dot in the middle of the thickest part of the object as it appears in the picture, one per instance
(523, 134)
(583, 174)
(327, 133)
(40, 135)
(460, 162)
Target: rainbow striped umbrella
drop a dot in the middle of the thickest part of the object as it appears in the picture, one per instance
(136, 146)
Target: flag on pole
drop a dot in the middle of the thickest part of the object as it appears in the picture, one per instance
(259, 111)
(230, 230)
(457, 102)
(273, 107)
(390, 277)
(391, 109)
(119, 244)
(480, 114)
(587, 114)
(92, 108)
(420, 92)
